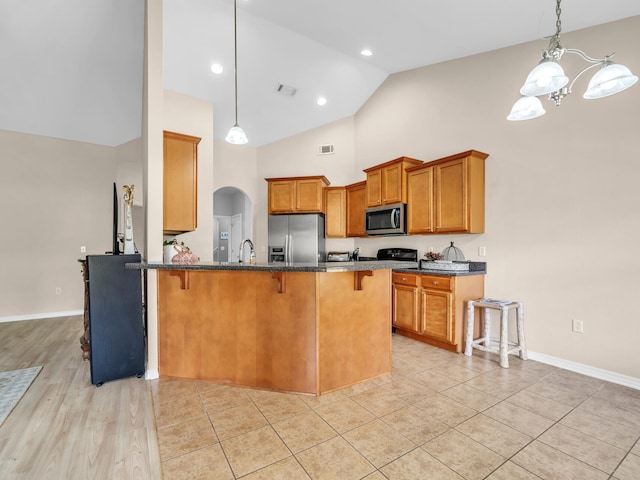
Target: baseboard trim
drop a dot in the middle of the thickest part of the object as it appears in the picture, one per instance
(151, 374)
(587, 370)
(40, 316)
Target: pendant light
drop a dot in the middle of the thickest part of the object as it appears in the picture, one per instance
(236, 135)
(548, 78)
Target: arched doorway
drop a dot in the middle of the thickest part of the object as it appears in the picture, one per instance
(232, 223)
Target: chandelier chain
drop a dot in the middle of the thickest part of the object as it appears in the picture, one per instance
(554, 43)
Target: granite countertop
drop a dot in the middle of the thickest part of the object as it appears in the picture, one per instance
(279, 267)
(475, 268)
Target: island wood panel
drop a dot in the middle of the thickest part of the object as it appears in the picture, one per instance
(234, 327)
(354, 330)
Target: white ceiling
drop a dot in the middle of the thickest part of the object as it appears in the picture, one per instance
(73, 69)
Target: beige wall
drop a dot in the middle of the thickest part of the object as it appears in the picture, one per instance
(56, 196)
(562, 199)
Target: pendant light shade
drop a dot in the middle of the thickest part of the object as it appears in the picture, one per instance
(526, 108)
(236, 136)
(611, 78)
(548, 76)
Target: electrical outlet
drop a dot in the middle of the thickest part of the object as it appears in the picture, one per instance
(58, 291)
(577, 326)
(482, 251)
(83, 249)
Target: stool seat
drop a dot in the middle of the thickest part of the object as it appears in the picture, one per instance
(500, 346)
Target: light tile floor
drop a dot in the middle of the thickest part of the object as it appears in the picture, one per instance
(438, 415)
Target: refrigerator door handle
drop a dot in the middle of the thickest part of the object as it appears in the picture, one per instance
(290, 251)
(286, 248)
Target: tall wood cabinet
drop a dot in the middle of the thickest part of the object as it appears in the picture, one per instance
(356, 205)
(447, 195)
(180, 183)
(335, 223)
(431, 308)
(387, 182)
(296, 194)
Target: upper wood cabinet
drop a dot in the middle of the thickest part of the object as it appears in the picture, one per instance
(447, 195)
(356, 205)
(335, 223)
(387, 182)
(296, 194)
(180, 183)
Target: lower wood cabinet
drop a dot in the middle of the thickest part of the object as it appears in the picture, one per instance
(431, 308)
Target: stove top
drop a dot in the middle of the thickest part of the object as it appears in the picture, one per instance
(403, 254)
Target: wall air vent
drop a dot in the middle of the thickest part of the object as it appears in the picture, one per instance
(325, 149)
(285, 90)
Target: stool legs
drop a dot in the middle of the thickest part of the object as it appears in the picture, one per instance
(520, 328)
(468, 349)
(504, 337)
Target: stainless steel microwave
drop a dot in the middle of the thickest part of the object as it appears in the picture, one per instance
(386, 220)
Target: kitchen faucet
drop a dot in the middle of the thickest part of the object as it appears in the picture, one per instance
(252, 255)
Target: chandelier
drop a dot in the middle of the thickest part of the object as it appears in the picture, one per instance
(548, 78)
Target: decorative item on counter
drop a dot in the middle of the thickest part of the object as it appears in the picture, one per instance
(453, 254)
(168, 252)
(432, 256)
(128, 222)
(184, 255)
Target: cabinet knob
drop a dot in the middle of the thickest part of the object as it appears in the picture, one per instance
(404, 279)
(435, 282)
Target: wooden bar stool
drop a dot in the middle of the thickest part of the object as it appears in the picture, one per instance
(501, 345)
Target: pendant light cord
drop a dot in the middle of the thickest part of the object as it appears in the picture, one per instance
(235, 56)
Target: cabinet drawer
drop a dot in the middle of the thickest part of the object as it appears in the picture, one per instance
(436, 282)
(405, 279)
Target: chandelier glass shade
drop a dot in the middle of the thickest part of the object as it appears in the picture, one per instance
(548, 78)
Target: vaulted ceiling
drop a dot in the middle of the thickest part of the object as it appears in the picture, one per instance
(73, 69)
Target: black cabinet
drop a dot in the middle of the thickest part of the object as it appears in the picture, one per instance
(116, 330)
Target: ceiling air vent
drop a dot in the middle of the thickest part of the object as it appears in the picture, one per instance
(285, 90)
(325, 149)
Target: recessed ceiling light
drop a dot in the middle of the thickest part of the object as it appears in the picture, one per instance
(217, 68)
(321, 101)
(366, 52)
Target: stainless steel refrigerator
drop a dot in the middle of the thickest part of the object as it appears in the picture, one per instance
(296, 238)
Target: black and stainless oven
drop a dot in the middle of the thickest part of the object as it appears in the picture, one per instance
(386, 220)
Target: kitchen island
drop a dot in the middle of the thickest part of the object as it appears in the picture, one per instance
(306, 328)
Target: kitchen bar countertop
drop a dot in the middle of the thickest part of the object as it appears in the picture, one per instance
(479, 268)
(279, 267)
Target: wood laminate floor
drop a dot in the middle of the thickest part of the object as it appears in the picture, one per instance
(438, 415)
(64, 427)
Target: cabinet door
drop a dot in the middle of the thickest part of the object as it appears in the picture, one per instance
(452, 201)
(336, 211)
(405, 307)
(436, 314)
(420, 211)
(356, 205)
(309, 195)
(374, 188)
(180, 183)
(282, 196)
(392, 184)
